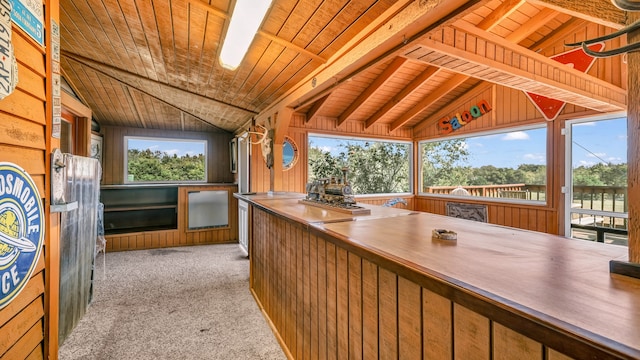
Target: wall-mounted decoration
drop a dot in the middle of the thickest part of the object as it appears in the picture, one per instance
(289, 153)
(8, 64)
(233, 155)
(96, 147)
(577, 59)
(29, 16)
(449, 124)
(21, 230)
(476, 212)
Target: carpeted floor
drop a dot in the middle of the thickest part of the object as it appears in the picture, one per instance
(178, 303)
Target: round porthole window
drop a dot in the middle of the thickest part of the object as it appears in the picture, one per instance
(289, 153)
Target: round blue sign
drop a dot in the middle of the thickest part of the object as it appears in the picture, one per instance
(21, 230)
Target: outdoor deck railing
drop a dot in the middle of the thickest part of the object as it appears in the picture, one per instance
(598, 213)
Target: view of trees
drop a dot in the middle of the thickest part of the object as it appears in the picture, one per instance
(374, 167)
(147, 165)
(446, 163)
(600, 175)
(383, 167)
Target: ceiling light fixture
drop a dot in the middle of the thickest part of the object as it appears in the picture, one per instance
(245, 21)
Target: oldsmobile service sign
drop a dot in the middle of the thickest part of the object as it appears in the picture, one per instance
(21, 230)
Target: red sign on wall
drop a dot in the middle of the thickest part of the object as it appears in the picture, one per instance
(577, 59)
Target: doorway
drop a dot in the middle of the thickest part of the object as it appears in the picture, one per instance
(596, 178)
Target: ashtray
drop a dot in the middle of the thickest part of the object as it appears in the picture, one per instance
(443, 234)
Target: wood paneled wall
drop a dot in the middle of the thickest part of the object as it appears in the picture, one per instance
(327, 299)
(528, 217)
(218, 167)
(23, 141)
(182, 236)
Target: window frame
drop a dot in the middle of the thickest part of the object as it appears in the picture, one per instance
(536, 126)
(410, 151)
(126, 139)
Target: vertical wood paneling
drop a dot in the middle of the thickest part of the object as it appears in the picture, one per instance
(313, 295)
(322, 299)
(327, 302)
(554, 355)
(306, 300)
(526, 217)
(292, 271)
(342, 302)
(332, 290)
(471, 334)
(300, 282)
(355, 306)
(369, 310)
(409, 320)
(508, 344)
(438, 326)
(387, 307)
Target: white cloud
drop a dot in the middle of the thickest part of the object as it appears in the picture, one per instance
(325, 148)
(171, 152)
(586, 163)
(589, 123)
(536, 158)
(516, 135)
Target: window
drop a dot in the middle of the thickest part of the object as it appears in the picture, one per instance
(507, 165)
(164, 160)
(374, 166)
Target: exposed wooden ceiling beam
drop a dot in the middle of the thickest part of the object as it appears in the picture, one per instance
(291, 46)
(134, 105)
(384, 39)
(211, 9)
(416, 83)
(315, 108)
(443, 89)
(500, 13)
(601, 12)
(560, 34)
(524, 69)
(379, 82)
(503, 11)
(532, 25)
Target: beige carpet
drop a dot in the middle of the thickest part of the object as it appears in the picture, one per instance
(178, 303)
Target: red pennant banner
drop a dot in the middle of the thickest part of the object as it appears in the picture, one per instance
(577, 59)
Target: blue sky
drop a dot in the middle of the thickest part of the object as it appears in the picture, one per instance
(178, 147)
(593, 142)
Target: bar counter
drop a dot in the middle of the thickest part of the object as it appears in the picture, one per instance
(379, 286)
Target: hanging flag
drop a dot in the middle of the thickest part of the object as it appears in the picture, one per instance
(577, 59)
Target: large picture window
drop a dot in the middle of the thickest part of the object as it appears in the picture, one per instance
(507, 165)
(164, 160)
(374, 166)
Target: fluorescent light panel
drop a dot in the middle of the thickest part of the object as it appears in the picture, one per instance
(245, 21)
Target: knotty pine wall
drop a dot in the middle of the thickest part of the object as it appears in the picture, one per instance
(218, 167)
(27, 326)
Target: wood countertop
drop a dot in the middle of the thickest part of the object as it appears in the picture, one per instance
(559, 283)
(562, 283)
(288, 205)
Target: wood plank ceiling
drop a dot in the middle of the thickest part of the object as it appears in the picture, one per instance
(153, 63)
